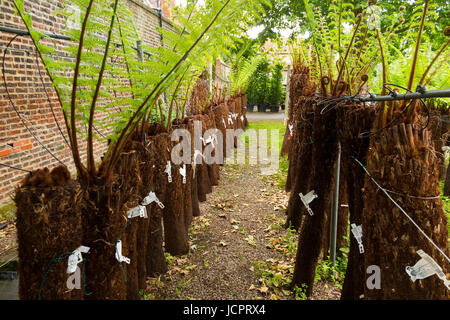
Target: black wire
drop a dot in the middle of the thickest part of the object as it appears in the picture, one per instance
(49, 101)
(368, 134)
(421, 100)
(14, 106)
(334, 105)
(15, 168)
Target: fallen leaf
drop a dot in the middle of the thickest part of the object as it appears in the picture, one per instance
(223, 243)
(286, 292)
(252, 287)
(250, 240)
(191, 267)
(275, 241)
(184, 272)
(264, 289)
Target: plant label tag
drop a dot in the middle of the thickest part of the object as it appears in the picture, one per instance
(74, 280)
(224, 124)
(291, 128)
(230, 119)
(183, 173)
(139, 211)
(357, 233)
(307, 199)
(242, 118)
(425, 268)
(119, 256)
(75, 258)
(152, 198)
(196, 154)
(169, 171)
(211, 140)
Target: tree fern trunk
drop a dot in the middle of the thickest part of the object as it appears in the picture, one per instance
(311, 235)
(351, 121)
(402, 159)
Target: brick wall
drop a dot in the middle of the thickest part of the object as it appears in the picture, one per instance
(17, 146)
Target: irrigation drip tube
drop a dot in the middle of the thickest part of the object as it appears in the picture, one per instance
(422, 94)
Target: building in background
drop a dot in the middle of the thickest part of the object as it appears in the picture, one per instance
(279, 51)
(164, 5)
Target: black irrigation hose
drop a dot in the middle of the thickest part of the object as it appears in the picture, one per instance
(3, 226)
(421, 90)
(368, 134)
(14, 106)
(393, 96)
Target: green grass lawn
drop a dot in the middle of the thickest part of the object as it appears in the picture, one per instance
(281, 175)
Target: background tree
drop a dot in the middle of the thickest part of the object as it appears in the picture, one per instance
(275, 95)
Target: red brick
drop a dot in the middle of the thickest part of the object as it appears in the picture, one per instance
(28, 94)
(5, 152)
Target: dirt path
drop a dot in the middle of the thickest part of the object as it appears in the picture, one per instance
(239, 249)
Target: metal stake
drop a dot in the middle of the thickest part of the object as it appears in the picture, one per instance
(335, 209)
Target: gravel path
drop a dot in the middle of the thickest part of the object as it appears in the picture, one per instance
(239, 249)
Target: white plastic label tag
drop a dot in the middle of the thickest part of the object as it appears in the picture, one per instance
(230, 119)
(75, 258)
(242, 118)
(307, 199)
(183, 173)
(425, 268)
(291, 128)
(152, 198)
(210, 139)
(224, 124)
(169, 171)
(119, 256)
(196, 154)
(139, 211)
(74, 280)
(357, 233)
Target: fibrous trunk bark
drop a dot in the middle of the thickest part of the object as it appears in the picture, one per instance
(311, 236)
(48, 230)
(351, 121)
(301, 156)
(104, 224)
(401, 159)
